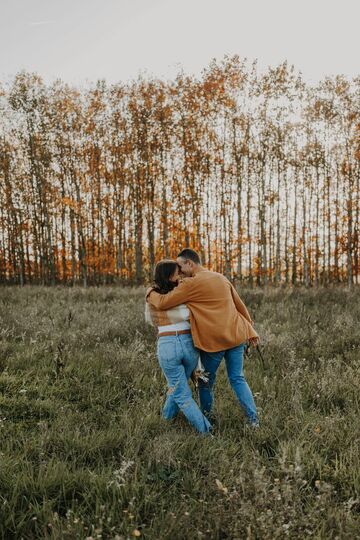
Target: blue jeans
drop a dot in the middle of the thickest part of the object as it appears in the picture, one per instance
(178, 358)
(234, 367)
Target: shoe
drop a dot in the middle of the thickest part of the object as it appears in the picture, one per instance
(254, 425)
(208, 434)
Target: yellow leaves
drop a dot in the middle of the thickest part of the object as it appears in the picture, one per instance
(272, 197)
(67, 201)
(317, 429)
(136, 533)
(346, 168)
(221, 487)
(342, 86)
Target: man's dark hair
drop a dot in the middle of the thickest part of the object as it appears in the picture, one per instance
(188, 253)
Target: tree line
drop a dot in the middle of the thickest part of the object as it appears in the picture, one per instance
(259, 172)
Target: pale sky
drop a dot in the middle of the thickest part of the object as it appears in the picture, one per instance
(81, 40)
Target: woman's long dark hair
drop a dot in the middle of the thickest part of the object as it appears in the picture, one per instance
(163, 272)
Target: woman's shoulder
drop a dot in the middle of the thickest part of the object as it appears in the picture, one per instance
(148, 291)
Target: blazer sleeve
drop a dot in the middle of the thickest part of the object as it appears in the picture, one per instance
(184, 292)
(240, 306)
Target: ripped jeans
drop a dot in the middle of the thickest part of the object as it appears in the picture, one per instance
(178, 358)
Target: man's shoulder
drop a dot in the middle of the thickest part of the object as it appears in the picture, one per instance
(187, 279)
(215, 280)
(210, 274)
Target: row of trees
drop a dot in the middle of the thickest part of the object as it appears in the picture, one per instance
(259, 172)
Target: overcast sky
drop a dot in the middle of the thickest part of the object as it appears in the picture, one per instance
(116, 39)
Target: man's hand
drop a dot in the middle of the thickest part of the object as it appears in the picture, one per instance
(195, 377)
(254, 341)
(199, 374)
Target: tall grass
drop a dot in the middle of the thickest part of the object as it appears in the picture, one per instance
(86, 454)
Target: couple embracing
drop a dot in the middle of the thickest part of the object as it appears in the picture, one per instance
(197, 311)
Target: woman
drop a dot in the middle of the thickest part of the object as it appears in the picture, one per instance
(177, 355)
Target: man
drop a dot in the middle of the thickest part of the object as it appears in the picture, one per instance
(220, 327)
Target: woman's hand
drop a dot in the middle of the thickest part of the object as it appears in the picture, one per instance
(148, 291)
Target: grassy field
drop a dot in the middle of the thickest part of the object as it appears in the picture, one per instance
(85, 453)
